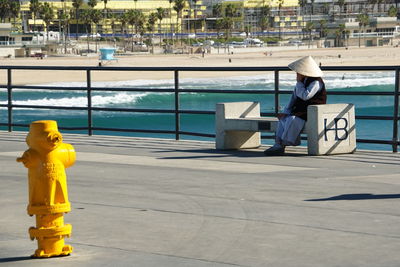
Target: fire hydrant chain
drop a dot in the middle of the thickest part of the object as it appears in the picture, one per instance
(46, 160)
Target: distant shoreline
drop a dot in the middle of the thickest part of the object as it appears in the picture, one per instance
(370, 56)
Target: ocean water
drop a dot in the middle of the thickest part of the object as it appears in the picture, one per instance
(363, 81)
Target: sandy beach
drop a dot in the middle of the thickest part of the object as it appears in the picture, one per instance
(374, 56)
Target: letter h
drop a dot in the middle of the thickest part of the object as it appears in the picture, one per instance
(336, 129)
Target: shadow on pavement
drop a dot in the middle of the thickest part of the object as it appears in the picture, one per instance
(356, 197)
(14, 259)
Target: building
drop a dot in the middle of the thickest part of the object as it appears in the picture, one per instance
(192, 12)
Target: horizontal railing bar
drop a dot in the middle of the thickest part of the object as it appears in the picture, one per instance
(48, 107)
(80, 88)
(15, 124)
(223, 91)
(384, 118)
(74, 128)
(124, 89)
(239, 69)
(59, 88)
(204, 112)
(132, 130)
(197, 134)
(373, 141)
(361, 93)
(139, 110)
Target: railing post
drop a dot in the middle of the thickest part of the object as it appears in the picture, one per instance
(9, 103)
(177, 126)
(396, 111)
(89, 101)
(276, 92)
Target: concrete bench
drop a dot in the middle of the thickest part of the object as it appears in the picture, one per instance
(330, 128)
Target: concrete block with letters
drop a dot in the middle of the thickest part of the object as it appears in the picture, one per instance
(331, 129)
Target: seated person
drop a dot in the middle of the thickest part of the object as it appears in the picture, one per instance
(309, 90)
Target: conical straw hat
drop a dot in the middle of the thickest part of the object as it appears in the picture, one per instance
(306, 66)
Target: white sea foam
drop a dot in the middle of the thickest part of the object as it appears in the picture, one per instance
(97, 100)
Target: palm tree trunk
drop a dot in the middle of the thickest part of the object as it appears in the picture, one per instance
(87, 34)
(76, 25)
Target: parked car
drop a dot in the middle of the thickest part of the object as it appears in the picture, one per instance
(209, 42)
(253, 42)
(140, 44)
(295, 42)
(217, 44)
(237, 44)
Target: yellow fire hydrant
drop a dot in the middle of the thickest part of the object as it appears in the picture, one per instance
(46, 160)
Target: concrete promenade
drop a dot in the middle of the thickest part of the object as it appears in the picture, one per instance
(165, 203)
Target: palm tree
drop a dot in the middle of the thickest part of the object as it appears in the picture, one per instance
(170, 18)
(151, 22)
(15, 8)
(77, 5)
(392, 12)
(217, 10)
(178, 7)
(219, 25)
(91, 4)
(341, 4)
(340, 31)
(47, 14)
(280, 4)
(195, 15)
(161, 13)
(312, 7)
(65, 19)
(230, 10)
(87, 21)
(326, 8)
(97, 16)
(264, 21)
(227, 23)
(363, 21)
(322, 28)
(123, 19)
(113, 18)
(34, 7)
(309, 27)
(302, 4)
(136, 19)
(105, 14)
(4, 10)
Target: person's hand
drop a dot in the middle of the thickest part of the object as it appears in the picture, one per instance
(281, 115)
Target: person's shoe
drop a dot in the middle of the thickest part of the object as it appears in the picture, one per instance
(275, 150)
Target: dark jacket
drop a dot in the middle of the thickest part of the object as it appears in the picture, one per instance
(300, 106)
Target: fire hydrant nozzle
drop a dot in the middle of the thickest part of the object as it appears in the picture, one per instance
(46, 160)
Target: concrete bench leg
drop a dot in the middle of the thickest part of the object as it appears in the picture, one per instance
(331, 129)
(234, 139)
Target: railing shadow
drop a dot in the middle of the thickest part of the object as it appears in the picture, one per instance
(364, 196)
(15, 259)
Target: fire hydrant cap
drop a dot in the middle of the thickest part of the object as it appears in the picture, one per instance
(43, 126)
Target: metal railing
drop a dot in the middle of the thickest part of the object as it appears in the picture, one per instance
(177, 90)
